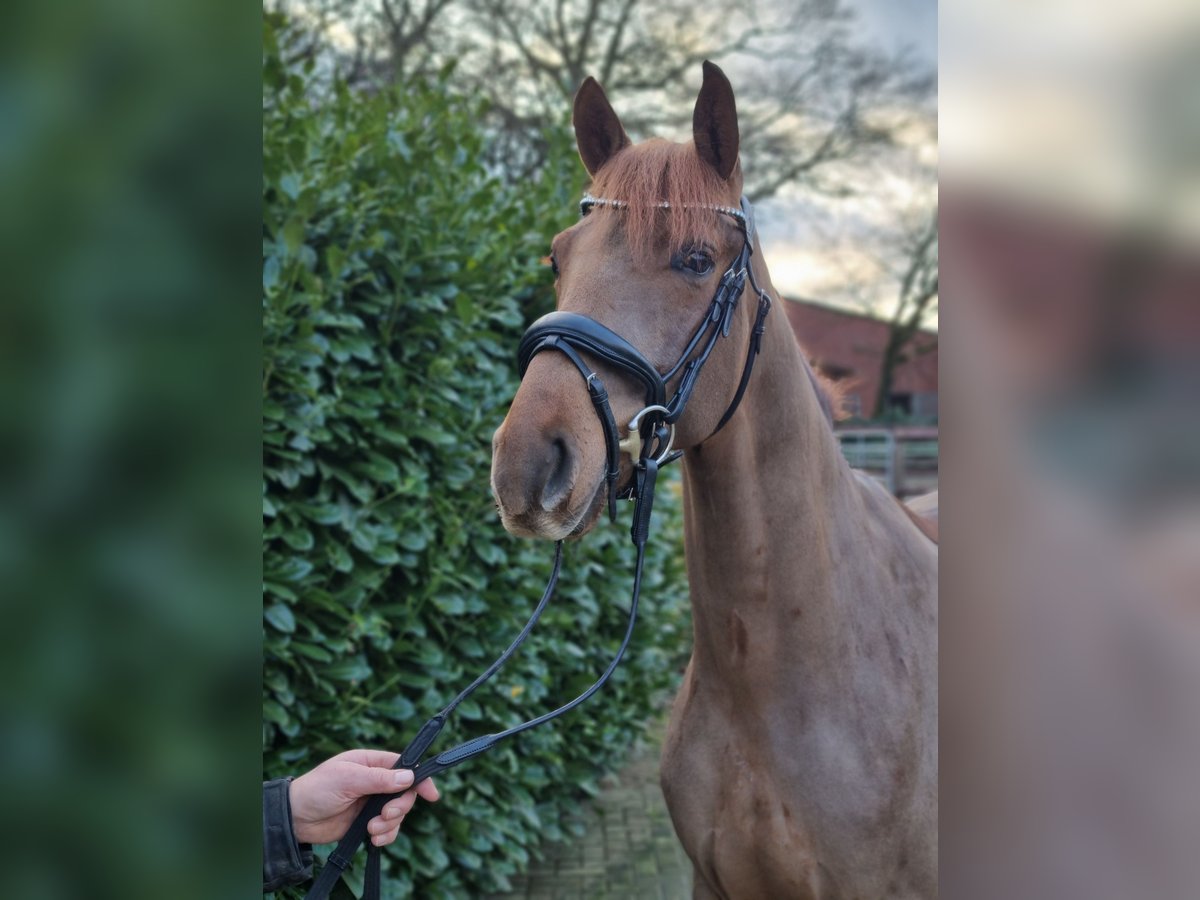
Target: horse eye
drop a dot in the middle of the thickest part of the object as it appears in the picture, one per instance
(554, 264)
(695, 261)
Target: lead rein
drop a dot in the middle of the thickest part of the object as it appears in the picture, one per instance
(339, 860)
(640, 532)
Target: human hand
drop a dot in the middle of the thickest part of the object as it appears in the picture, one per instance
(326, 800)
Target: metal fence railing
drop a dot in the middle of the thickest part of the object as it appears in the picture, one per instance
(903, 458)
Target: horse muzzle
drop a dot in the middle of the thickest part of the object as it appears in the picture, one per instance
(549, 457)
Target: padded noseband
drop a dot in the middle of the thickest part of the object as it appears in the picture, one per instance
(590, 336)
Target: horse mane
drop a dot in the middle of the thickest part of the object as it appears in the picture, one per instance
(657, 171)
(830, 394)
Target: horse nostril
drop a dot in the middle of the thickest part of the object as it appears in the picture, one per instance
(561, 475)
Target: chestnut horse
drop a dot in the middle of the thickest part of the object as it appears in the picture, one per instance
(801, 758)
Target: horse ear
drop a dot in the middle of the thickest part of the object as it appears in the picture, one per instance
(714, 122)
(598, 131)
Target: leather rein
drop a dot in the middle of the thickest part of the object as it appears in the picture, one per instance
(651, 433)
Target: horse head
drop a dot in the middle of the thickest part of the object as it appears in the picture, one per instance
(648, 263)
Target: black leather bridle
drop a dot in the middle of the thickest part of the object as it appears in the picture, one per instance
(652, 429)
(651, 433)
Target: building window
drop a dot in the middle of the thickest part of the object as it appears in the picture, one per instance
(925, 405)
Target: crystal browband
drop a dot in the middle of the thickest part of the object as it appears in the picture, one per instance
(589, 201)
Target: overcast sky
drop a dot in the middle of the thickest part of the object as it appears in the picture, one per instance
(832, 251)
(900, 24)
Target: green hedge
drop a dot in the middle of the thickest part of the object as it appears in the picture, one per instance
(398, 275)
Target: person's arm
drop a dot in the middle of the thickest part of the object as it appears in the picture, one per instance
(285, 860)
(320, 805)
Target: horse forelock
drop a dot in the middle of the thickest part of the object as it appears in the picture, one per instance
(657, 171)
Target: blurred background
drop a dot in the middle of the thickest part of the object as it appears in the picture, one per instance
(130, 528)
(1070, 440)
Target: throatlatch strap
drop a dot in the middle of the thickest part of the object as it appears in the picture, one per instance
(760, 326)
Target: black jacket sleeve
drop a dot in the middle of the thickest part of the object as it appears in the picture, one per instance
(284, 861)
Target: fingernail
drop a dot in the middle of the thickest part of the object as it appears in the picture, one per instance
(392, 813)
(404, 778)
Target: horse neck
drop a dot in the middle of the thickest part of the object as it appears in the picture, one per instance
(765, 507)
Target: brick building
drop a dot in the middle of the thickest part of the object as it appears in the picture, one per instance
(847, 347)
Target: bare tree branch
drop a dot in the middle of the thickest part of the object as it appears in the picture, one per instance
(916, 298)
